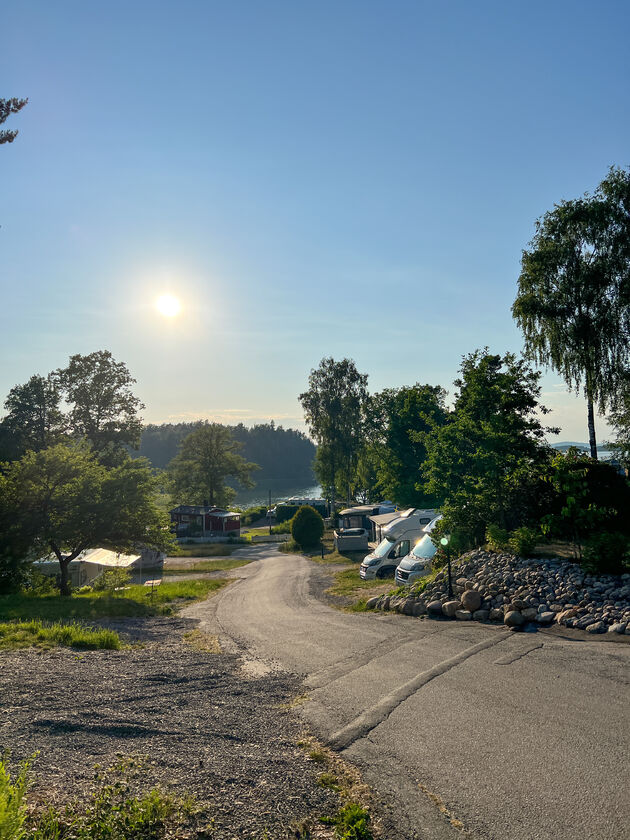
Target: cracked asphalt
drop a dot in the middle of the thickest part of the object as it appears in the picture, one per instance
(458, 727)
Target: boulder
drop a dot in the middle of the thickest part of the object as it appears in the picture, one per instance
(481, 615)
(496, 615)
(529, 614)
(419, 608)
(384, 605)
(406, 608)
(435, 609)
(619, 627)
(463, 615)
(596, 627)
(471, 600)
(513, 619)
(450, 608)
(545, 617)
(565, 615)
(518, 604)
(373, 602)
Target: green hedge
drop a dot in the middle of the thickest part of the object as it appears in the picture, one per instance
(285, 512)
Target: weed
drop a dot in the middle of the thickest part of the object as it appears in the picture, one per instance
(12, 804)
(202, 641)
(20, 634)
(318, 756)
(328, 780)
(351, 822)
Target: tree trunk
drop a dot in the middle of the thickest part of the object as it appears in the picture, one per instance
(64, 582)
(591, 428)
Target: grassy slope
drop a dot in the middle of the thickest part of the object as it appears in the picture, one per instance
(19, 634)
(219, 565)
(132, 601)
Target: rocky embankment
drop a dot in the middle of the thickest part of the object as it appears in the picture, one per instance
(517, 591)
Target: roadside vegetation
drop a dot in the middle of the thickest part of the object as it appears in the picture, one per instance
(35, 633)
(207, 549)
(219, 565)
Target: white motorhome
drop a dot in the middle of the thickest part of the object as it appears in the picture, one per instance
(398, 538)
(419, 561)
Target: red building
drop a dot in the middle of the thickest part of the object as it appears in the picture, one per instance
(205, 521)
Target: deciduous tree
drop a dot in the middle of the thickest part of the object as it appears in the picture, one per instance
(573, 301)
(208, 457)
(8, 107)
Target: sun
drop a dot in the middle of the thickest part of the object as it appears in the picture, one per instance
(168, 305)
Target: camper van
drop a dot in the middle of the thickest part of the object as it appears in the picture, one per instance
(398, 538)
(419, 561)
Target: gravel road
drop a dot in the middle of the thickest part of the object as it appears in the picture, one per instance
(208, 727)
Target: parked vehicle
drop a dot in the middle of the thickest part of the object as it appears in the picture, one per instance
(398, 538)
(352, 539)
(359, 516)
(419, 561)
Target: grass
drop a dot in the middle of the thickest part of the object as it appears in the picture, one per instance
(207, 549)
(131, 601)
(221, 565)
(34, 633)
(203, 642)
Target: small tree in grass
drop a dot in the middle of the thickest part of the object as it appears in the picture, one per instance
(307, 527)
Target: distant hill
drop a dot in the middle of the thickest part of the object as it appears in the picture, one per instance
(563, 445)
(284, 455)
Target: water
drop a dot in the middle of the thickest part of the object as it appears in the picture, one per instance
(280, 490)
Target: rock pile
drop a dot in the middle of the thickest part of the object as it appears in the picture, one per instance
(516, 591)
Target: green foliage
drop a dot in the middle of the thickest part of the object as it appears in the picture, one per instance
(63, 500)
(487, 463)
(352, 822)
(113, 813)
(111, 579)
(334, 409)
(399, 420)
(619, 419)
(572, 302)
(523, 541)
(285, 512)
(208, 457)
(607, 553)
(34, 633)
(12, 801)
(497, 538)
(283, 527)
(307, 527)
(253, 514)
(588, 496)
(8, 107)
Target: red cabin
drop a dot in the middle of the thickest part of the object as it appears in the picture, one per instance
(205, 521)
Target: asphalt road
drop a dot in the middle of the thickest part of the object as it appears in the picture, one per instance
(464, 729)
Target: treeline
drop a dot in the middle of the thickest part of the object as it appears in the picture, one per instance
(281, 454)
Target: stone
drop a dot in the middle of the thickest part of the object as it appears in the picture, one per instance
(529, 614)
(384, 605)
(619, 627)
(545, 617)
(419, 608)
(450, 608)
(471, 600)
(596, 627)
(496, 614)
(518, 604)
(481, 615)
(434, 609)
(565, 615)
(513, 619)
(406, 608)
(373, 602)
(463, 615)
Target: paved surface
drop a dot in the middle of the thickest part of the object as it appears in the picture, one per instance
(465, 729)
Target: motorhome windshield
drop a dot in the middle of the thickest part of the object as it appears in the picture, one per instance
(424, 548)
(382, 548)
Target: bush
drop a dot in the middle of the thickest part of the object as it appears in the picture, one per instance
(307, 527)
(523, 541)
(111, 579)
(12, 805)
(253, 514)
(497, 538)
(282, 528)
(607, 553)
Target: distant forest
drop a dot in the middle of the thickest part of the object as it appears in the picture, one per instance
(282, 454)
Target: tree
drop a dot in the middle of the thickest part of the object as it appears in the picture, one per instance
(101, 409)
(487, 464)
(334, 409)
(573, 301)
(66, 502)
(619, 419)
(8, 107)
(400, 419)
(34, 419)
(102, 406)
(209, 455)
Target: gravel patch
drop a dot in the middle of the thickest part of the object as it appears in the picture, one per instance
(205, 727)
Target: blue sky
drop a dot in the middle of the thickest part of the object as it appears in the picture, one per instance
(310, 178)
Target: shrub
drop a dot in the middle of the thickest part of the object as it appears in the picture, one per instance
(12, 805)
(523, 541)
(607, 553)
(307, 527)
(282, 528)
(497, 538)
(111, 579)
(253, 514)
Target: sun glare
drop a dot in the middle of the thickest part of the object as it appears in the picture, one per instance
(168, 305)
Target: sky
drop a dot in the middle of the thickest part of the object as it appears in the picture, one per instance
(333, 178)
